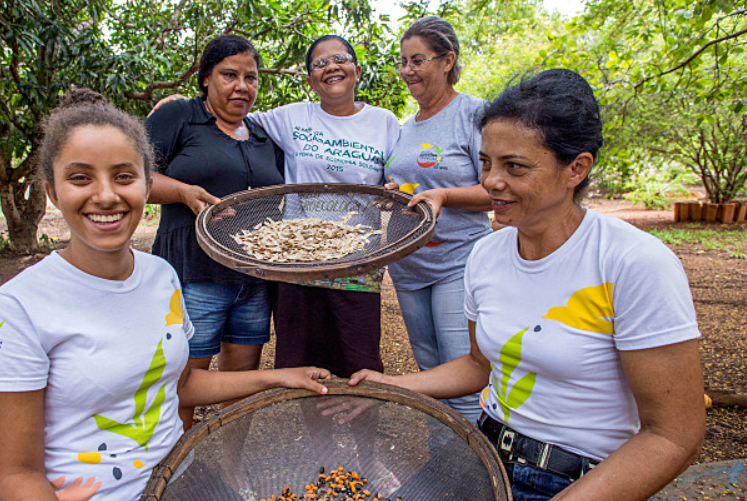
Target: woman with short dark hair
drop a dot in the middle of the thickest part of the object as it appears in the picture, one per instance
(208, 148)
(583, 331)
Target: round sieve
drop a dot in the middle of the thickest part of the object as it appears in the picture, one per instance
(394, 229)
(407, 446)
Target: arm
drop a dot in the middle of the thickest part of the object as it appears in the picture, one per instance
(473, 198)
(202, 387)
(22, 472)
(167, 190)
(462, 376)
(667, 383)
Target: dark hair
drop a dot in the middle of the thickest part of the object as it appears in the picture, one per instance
(348, 48)
(440, 37)
(217, 50)
(560, 105)
(82, 107)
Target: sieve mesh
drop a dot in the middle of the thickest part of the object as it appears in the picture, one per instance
(403, 229)
(407, 446)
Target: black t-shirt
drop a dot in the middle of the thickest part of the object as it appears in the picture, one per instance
(191, 148)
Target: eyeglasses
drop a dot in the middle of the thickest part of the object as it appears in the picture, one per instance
(415, 63)
(322, 62)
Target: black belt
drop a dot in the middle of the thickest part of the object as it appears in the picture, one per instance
(514, 447)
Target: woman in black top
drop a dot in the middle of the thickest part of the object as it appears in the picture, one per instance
(206, 149)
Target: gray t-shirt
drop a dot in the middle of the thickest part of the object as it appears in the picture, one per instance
(441, 152)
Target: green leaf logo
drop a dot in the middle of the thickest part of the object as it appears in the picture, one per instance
(510, 358)
(144, 421)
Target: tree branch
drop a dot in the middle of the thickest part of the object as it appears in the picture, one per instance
(692, 57)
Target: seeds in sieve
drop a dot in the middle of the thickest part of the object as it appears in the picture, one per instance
(304, 239)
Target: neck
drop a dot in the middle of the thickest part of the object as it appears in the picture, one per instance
(343, 109)
(429, 107)
(115, 265)
(235, 129)
(547, 236)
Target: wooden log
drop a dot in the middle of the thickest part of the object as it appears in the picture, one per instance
(727, 399)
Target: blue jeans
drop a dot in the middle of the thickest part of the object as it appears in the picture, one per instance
(236, 314)
(533, 484)
(438, 332)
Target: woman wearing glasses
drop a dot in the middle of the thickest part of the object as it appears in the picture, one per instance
(436, 158)
(338, 140)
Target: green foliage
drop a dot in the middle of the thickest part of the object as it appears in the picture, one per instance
(655, 189)
(671, 77)
(733, 242)
(136, 52)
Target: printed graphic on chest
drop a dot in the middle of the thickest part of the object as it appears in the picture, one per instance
(430, 157)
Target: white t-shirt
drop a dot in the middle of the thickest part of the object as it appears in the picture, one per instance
(109, 355)
(552, 329)
(324, 148)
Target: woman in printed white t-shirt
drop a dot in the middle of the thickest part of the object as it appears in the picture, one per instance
(583, 329)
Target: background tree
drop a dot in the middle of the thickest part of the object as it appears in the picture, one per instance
(671, 77)
(137, 51)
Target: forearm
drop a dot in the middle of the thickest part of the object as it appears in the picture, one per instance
(472, 198)
(26, 486)
(462, 376)
(166, 190)
(204, 387)
(636, 471)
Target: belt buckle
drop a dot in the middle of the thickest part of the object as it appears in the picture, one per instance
(507, 440)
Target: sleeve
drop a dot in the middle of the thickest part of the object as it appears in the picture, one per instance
(653, 305)
(393, 132)
(475, 136)
(24, 364)
(470, 308)
(274, 123)
(165, 127)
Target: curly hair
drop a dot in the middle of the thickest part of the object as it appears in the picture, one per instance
(83, 107)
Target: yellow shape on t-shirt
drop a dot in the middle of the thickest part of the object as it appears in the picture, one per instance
(176, 315)
(138, 464)
(89, 457)
(408, 187)
(588, 309)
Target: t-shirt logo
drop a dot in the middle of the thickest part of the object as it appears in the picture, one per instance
(429, 155)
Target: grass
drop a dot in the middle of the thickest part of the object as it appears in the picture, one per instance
(733, 242)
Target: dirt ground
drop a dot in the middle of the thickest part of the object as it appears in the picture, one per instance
(718, 282)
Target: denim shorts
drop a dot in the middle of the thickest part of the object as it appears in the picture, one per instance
(235, 314)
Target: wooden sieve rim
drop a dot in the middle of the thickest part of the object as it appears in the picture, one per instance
(448, 416)
(295, 271)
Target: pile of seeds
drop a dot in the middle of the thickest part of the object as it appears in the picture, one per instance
(304, 239)
(339, 485)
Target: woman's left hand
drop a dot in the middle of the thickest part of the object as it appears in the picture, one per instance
(436, 198)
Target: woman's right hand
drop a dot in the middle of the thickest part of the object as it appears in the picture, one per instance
(369, 375)
(196, 197)
(166, 100)
(391, 186)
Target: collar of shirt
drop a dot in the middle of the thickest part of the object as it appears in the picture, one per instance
(201, 116)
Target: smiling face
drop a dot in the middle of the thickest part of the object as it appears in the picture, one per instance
(335, 83)
(232, 87)
(527, 186)
(101, 189)
(432, 78)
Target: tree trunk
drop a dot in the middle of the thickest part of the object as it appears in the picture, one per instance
(23, 214)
